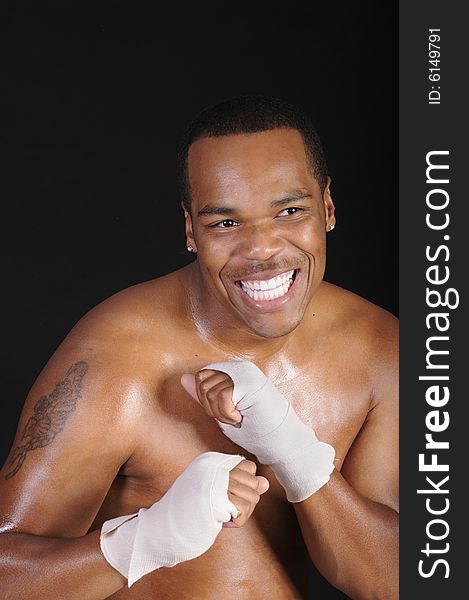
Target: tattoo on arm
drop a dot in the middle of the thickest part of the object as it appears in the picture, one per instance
(50, 415)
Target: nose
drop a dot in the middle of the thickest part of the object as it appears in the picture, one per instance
(260, 242)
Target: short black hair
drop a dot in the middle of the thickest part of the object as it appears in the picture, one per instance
(249, 114)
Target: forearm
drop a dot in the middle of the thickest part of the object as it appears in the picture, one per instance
(40, 568)
(352, 541)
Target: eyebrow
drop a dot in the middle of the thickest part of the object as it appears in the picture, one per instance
(300, 195)
(212, 209)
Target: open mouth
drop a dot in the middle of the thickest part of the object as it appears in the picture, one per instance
(268, 289)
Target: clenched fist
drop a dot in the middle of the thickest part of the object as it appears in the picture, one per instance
(244, 491)
(256, 416)
(214, 391)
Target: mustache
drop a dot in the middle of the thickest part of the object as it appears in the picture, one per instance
(256, 268)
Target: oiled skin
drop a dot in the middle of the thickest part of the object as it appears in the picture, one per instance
(134, 410)
(135, 429)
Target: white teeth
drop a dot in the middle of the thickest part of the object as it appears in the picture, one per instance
(268, 284)
(268, 289)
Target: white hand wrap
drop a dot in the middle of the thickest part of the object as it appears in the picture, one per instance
(182, 525)
(272, 431)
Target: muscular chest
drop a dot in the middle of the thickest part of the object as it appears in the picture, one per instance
(175, 429)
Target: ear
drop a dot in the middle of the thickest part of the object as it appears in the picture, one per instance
(329, 207)
(190, 242)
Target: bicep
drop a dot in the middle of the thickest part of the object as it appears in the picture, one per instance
(371, 466)
(66, 452)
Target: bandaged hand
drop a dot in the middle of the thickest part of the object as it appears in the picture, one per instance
(215, 490)
(257, 417)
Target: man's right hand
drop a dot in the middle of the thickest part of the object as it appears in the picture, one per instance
(215, 489)
(244, 490)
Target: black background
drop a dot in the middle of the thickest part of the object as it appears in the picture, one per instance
(95, 96)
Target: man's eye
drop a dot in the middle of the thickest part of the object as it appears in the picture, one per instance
(226, 224)
(291, 210)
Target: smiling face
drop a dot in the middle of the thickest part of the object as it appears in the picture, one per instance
(258, 225)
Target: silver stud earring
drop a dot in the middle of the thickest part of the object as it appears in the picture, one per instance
(190, 248)
(331, 227)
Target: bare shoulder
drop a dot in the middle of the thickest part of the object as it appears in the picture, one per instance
(103, 363)
(82, 415)
(371, 325)
(367, 331)
(133, 310)
(118, 342)
(369, 335)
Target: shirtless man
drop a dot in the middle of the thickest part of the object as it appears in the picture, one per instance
(257, 206)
